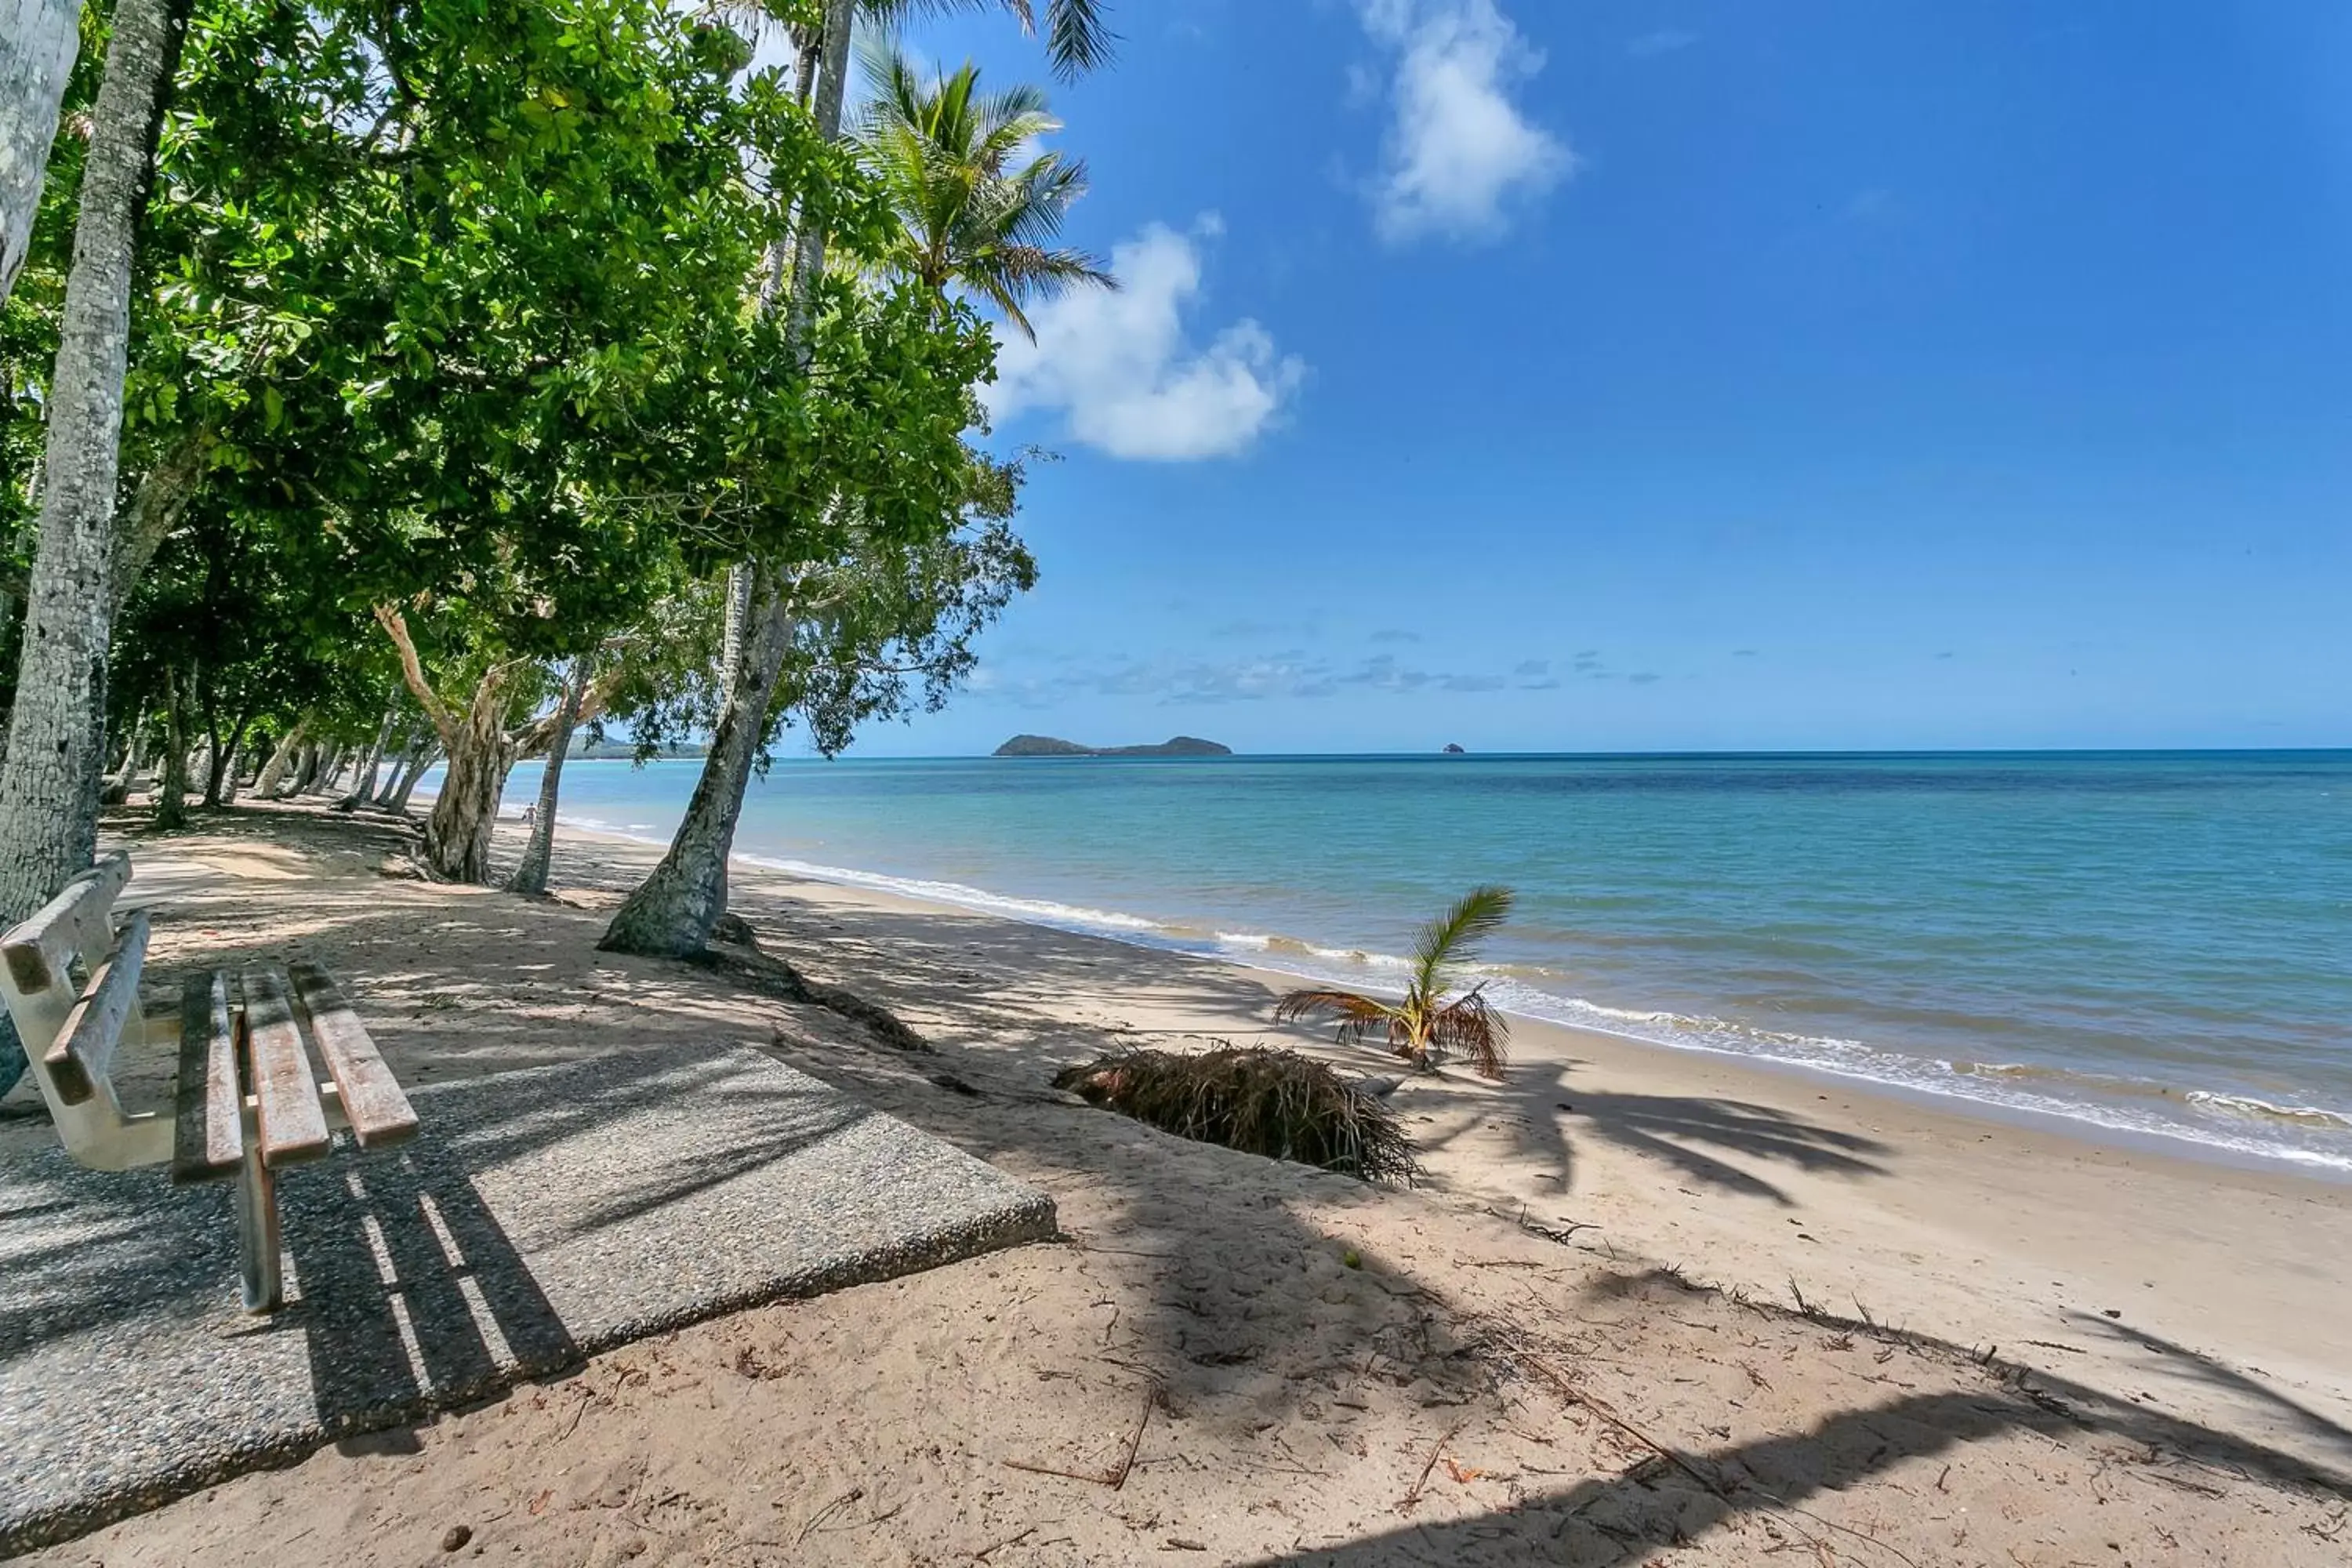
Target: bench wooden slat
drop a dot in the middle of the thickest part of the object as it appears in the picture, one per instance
(373, 1100)
(39, 949)
(78, 1059)
(209, 1140)
(293, 1125)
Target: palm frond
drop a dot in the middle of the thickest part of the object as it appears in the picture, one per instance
(1357, 1015)
(1452, 937)
(1472, 1027)
(1078, 38)
(943, 152)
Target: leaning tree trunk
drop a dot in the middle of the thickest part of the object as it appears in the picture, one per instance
(305, 770)
(672, 911)
(161, 494)
(466, 811)
(531, 876)
(38, 39)
(118, 789)
(418, 766)
(274, 769)
(48, 783)
(363, 780)
(172, 791)
(331, 763)
(220, 782)
(390, 782)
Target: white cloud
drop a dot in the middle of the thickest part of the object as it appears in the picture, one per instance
(1120, 369)
(1460, 154)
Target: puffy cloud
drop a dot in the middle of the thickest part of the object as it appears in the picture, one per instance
(1460, 153)
(1120, 369)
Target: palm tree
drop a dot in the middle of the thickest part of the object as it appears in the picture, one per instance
(1425, 1028)
(972, 212)
(1077, 34)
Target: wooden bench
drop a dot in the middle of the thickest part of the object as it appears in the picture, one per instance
(246, 1102)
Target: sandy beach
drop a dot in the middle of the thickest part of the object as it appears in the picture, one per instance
(1648, 1306)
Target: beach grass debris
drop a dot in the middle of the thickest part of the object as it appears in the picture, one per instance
(1258, 1100)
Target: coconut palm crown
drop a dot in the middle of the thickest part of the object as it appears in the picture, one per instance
(978, 206)
(1077, 32)
(1425, 1028)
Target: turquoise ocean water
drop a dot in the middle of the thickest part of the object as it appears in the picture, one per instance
(2151, 942)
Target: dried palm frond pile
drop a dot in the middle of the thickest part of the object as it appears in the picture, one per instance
(1262, 1101)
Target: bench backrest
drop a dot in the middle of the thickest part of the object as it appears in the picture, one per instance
(69, 1026)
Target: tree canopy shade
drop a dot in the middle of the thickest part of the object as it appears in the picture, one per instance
(452, 348)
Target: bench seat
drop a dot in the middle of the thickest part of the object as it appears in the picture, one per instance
(246, 1102)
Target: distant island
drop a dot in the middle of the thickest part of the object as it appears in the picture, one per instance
(583, 745)
(1453, 749)
(1047, 746)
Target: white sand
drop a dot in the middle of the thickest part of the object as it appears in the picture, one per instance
(1472, 1392)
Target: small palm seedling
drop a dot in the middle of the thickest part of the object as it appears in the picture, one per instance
(1425, 1028)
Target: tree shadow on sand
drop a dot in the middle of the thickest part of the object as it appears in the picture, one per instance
(1173, 1314)
(1673, 1497)
(1700, 1136)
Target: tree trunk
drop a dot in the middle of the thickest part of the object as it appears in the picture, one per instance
(671, 912)
(235, 766)
(48, 783)
(172, 793)
(220, 781)
(118, 788)
(363, 780)
(331, 763)
(304, 772)
(730, 635)
(274, 769)
(392, 776)
(531, 876)
(457, 834)
(418, 766)
(163, 494)
(39, 40)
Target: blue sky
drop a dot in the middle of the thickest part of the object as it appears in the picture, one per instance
(1627, 374)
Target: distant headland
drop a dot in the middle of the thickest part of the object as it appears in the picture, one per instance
(1047, 746)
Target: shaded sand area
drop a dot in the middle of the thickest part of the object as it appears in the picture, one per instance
(1578, 1343)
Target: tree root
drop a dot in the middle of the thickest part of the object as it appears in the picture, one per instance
(765, 972)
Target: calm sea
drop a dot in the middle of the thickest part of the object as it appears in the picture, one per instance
(2159, 944)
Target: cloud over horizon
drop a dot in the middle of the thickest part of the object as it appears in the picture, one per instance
(1119, 368)
(1460, 153)
(1288, 673)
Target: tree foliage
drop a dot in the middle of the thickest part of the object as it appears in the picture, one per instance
(449, 315)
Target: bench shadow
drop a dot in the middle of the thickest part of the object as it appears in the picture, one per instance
(400, 1273)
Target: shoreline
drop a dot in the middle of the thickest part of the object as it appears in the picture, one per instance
(1904, 1325)
(2088, 1119)
(1767, 1182)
